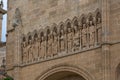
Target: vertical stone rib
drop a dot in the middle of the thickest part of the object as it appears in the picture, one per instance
(105, 39)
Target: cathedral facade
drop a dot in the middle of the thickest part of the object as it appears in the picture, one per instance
(63, 39)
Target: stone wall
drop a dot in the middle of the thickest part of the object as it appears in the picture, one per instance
(33, 18)
(42, 13)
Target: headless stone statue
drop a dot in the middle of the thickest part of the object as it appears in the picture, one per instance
(17, 18)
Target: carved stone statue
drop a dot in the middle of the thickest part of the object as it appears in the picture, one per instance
(42, 47)
(99, 31)
(84, 36)
(36, 48)
(69, 39)
(62, 40)
(30, 50)
(55, 43)
(91, 33)
(76, 38)
(24, 52)
(49, 45)
(17, 18)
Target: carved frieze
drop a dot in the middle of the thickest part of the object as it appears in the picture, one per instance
(67, 37)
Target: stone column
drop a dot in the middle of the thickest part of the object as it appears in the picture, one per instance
(105, 41)
(17, 24)
(17, 55)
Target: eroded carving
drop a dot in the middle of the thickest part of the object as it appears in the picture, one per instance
(49, 43)
(55, 42)
(17, 18)
(42, 52)
(76, 40)
(91, 32)
(62, 39)
(71, 37)
(99, 27)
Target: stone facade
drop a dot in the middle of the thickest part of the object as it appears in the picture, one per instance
(63, 39)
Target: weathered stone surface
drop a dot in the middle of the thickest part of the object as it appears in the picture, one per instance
(61, 38)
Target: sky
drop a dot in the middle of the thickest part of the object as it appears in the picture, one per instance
(4, 22)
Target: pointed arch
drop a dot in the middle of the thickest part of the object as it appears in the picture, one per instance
(75, 23)
(35, 34)
(98, 15)
(54, 29)
(61, 27)
(68, 25)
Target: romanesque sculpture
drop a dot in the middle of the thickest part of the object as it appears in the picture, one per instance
(42, 47)
(76, 36)
(99, 28)
(49, 43)
(72, 37)
(91, 33)
(17, 18)
(84, 35)
(36, 47)
(62, 39)
(55, 42)
(30, 49)
(24, 52)
(69, 38)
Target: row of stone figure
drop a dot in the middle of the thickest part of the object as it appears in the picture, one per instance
(70, 41)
